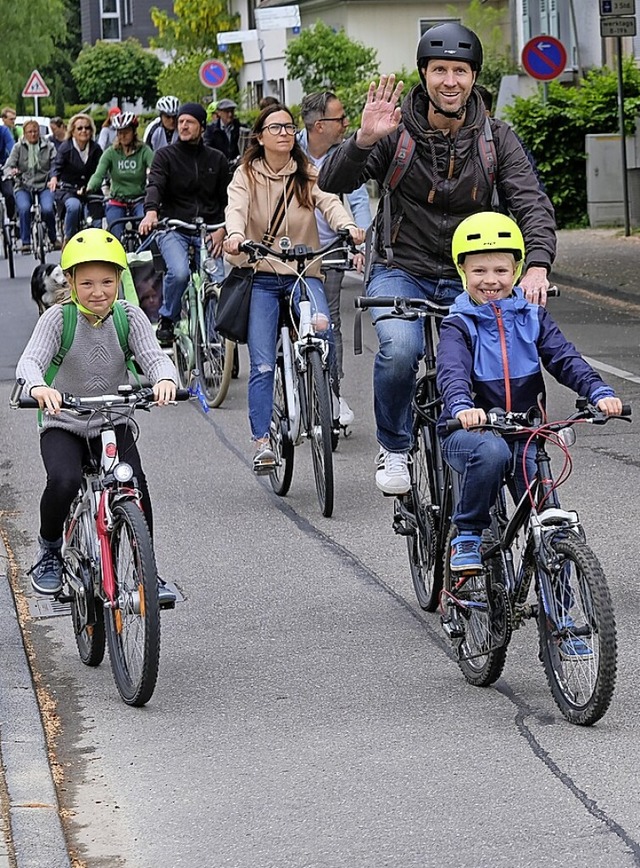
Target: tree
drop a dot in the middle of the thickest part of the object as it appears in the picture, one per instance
(57, 72)
(194, 30)
(181, 79)
(321, 58)
(31, 31)
(123, 70)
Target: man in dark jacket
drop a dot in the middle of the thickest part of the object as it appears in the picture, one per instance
(445, 182)
(186, 180)
(224, 133)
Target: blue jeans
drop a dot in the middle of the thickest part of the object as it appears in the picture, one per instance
(482, 458)
(174, 247)
(268, 290)
(24, 201)
(401, 348)
(117, 212)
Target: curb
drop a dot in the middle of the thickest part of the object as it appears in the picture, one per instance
(33, 826)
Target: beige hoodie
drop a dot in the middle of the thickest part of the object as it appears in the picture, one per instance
(251, 208)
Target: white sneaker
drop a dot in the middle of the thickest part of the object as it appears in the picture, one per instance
(392, 476)
(347, 415)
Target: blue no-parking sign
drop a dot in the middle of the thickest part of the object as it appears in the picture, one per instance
(213, 73)
(544, 57)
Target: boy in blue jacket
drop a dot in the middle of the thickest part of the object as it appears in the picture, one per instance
(492, 347)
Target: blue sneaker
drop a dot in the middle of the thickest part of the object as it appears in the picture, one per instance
(573, 647)
(466, 553)
(46, 573)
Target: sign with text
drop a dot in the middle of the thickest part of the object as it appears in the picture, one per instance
(617, 7)
(625, 26)
(278, 18)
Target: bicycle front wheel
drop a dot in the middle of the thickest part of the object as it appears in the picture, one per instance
(425, 561)
(38, 242)
(319, 420)
(578, 645)
(133, 624)
(87, 614)
(482, 618)
(214, 354)
(281, 442)
(7, 244)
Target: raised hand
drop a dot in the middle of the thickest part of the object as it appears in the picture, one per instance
(381, 113)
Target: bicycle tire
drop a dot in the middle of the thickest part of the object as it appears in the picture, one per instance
(133, 625)
(485, 623)
(7, 242)
(87, 614)
(38, 243)
(181, 361)
(319, 431)
(281, 442)
(581, 685)
(214, 354)
(425, 561)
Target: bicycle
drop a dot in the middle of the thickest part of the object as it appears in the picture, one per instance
(302, 394)
(39, 238)
(424, 513)
(199, 351)
(9, 237)
(110, 574)
(543, 546)
(129, 238)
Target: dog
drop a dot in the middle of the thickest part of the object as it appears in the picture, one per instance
(49, 286)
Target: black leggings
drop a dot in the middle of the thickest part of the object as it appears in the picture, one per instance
(64, 455)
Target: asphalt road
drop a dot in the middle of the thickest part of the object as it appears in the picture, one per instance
(308, 713)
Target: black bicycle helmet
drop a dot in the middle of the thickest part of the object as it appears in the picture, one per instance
(450, 41)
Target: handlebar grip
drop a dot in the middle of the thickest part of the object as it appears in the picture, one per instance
(363, 301)
(626, 410)
(27, 403)
(553, 291)
(182, 395)
(453, 425)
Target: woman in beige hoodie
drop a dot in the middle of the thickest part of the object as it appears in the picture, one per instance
(274, 164)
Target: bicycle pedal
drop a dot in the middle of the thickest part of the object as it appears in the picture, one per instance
(451, 628)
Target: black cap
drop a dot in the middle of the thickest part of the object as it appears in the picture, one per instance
(195, 110)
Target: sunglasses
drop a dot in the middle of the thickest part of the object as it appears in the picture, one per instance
(340, 120)
(81, 129)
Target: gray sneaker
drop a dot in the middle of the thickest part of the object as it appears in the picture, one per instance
(264, 460)
(46, 573)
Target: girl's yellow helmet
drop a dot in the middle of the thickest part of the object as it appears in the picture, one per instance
(487, 232)
(93, 245)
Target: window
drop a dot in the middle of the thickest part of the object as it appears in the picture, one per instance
(110, 19)
(553, 18)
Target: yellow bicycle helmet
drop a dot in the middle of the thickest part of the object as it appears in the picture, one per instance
(93, 245)
(487, 232)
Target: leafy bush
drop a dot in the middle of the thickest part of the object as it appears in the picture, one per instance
(555, 131)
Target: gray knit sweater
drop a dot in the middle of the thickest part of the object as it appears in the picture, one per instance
(94, 364)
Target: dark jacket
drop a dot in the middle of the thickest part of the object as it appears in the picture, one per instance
(215, 136)
(188, 181)
(69, 168)
(491, 355)
(428, 204)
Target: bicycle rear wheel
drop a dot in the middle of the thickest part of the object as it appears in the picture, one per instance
(281, 442)
(425, 561)
(482, 618)
(214, 354)
(87, 614)
(38, 241)
(133, 625)
(319, 421)
(7, 246)
(578, 645)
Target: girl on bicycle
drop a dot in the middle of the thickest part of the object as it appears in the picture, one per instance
(126, 163)
(95, 364)
(493, 345)
(276, 176)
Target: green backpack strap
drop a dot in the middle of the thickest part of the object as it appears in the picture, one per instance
(69, 322)
(121, 322)
(129, 288)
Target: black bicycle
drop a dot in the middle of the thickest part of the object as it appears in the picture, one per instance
(538, 547)
(423, 514)
(9, 237)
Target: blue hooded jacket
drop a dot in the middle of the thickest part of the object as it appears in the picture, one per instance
(491, 355)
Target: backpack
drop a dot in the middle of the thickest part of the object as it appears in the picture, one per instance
(398, 167)
(69, 323)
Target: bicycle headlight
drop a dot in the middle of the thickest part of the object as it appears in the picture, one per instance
(123, 472)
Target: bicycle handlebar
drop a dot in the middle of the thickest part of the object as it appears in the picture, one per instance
(410, 308)
(174, 223)
(298, 252)
(141, 399)
(514, 423)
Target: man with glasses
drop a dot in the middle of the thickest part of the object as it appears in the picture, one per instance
(7, 141)
(325, 124)
(186, 180)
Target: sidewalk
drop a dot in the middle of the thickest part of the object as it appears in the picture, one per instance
(31, 833)
(601, 260)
